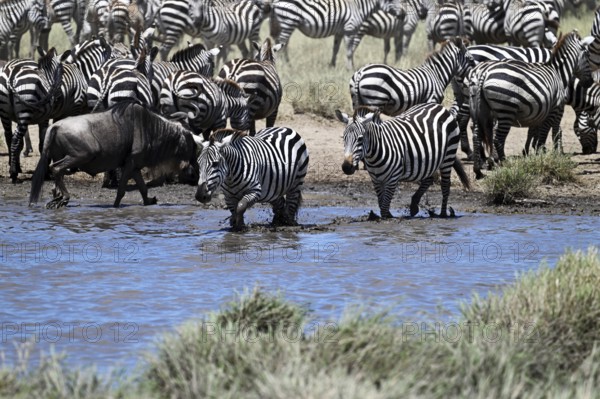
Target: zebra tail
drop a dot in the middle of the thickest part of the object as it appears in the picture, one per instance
(476, 105)
(462, 175)
(37, 181)
(357, 101)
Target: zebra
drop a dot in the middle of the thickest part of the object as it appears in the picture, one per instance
(172, 21)
(33, 102)
(323, 18)
(386, 26)
(490, 52)
(118, 20)
(394, 90)
(444, 21)
(193, 58)
(34, 23)
(517, 93)
(206, 104)
(485, 23)
(595, 46)
(95, 22)
(525, 21)
(586, 129)
(414, 11)
(226, 24)
(14, 15)
(119, 80)
(62, 11)
(268, 167)
(260, 80)
(410, 147)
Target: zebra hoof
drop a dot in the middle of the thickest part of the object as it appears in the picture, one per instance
(150, 201)
(373, 217)
(414, 209)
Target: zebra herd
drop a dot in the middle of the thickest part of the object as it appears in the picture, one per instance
(496, 86)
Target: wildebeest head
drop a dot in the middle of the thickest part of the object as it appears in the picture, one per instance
(353, 135)
(213, 166)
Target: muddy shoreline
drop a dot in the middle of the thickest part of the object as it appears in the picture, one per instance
(326, 185)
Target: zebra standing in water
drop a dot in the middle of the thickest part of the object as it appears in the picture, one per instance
(444, 21)
(410, 147)
(394, 90)
(517, 93)
(260, 80)
(205, 103)
(224, 25)
(323, 18)
(269, 167)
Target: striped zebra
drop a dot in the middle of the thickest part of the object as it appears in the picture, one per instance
(227, 24)
(324, 18)
(62, 11)
(485, 23)
(34, 23)
(269, 167)
(514, 93)
(14, 15)
(193, 58)
(95, 21)
(118, 20)
(414, 11)
(204, 103)
(490, 52)
(595, 46)
(410, 147)
(386, 26)
(258, 78)
(586, 129)
(394, 90)
(444, 21)
(172, 21)
(37, 97)
(525, 21)
(121, 80)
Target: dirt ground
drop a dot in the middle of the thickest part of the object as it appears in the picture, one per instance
(326, 185)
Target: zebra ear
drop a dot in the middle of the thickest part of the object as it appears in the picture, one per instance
(341, 116)
(586, 41)
(277, 47)
(256, 45)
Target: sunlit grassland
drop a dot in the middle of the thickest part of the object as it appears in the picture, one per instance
(310, 84)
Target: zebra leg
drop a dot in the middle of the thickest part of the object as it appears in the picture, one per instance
(28, 147)
(279, 216)
(42, 127)
(246, 202)
(337, 40)
(7, 126)
(445, 183)
(531, 141)
(293, 200)
(386, 49)
(416, 198)
(272, 118)
(502, 130)
(385, 192)
(16, 146)
(139, 180)
(463, 123)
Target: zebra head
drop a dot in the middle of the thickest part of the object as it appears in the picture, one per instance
(213, 165)
(466, 62)
(583, 69)
(353, 135)
(38, 16)
(267, 51)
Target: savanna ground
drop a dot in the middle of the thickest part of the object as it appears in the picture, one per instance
(312, 91)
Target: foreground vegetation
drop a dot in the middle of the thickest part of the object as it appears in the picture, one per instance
(520, 177)
(537, 338)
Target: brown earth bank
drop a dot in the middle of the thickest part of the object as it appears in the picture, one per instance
(326, 185)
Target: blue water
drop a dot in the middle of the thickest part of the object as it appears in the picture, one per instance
(102, 284)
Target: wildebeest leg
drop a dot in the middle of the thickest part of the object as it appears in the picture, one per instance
(139, 180)
(279, 216)
(416, 198)
(60, 192)
(125, 176)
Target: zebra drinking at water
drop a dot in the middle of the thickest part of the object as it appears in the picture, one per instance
(269, 167)
(394, 90)
(410, 147)
(517, 93)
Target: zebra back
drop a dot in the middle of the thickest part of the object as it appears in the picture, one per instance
(595, 46)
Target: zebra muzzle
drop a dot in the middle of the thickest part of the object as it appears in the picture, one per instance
(202, 194)
(348, 167)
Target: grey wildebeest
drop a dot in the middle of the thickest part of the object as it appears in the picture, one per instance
(128, 137)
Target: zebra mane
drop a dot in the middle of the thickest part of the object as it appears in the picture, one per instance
(562, 39)
(363, 110)
(230, 87)
(188, 53)
(221, 134)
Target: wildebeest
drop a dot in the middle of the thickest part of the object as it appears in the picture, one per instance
(269, 167)
(128, 136)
